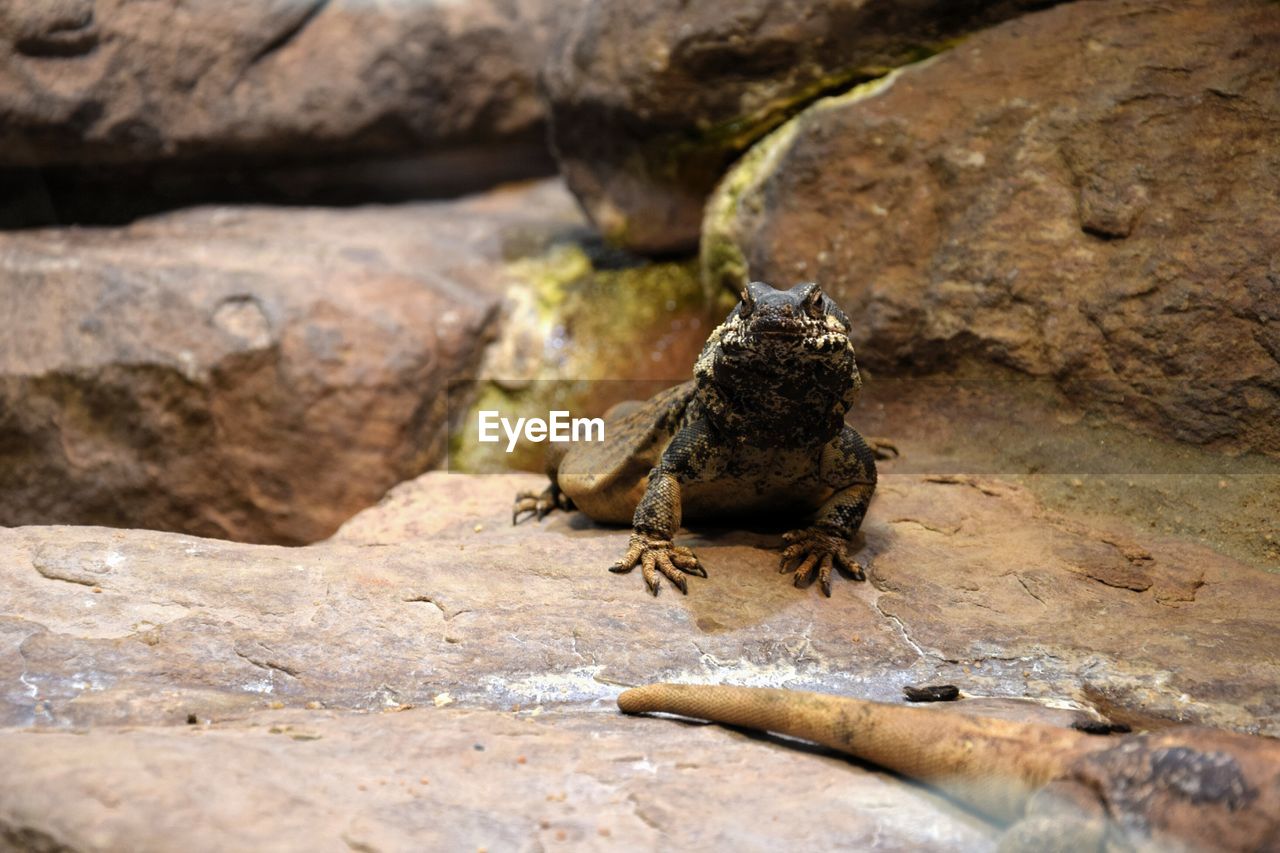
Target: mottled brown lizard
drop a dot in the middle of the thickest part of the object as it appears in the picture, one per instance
(759, 430)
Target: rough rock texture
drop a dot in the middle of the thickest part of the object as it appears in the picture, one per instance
(583, 327)
(1089, 194)
(435, 779)
(650, 102)
(251, 373)
(112, 81)
(513, 642)
(216, 86)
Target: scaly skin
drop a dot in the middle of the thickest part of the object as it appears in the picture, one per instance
(1181, 789)
(759, 430)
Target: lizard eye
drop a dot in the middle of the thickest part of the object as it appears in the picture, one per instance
(813, 302)
(748, 303)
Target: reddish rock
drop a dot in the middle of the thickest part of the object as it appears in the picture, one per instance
(651, 102)
(210, 98)
(433, 592)
(1088, 194)
(444, 778)
(113, 81)
(297, 665)
(250, 373)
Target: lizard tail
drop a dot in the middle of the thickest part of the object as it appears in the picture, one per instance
(993, 765)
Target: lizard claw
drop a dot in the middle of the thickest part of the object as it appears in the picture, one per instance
(538, 505)
(820, 552)
(656, 557)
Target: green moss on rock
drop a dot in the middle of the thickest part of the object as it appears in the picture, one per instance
(579, 336)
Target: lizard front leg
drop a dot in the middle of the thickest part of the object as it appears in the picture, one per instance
(656, 520)
(848, 465)
(538, 504)
(552, 497)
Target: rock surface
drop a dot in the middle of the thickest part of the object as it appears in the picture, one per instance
(199, 92)
(1087, 194)
(651, 102)
(433, 779)
(252, 373)
(433, 599)
(583, 327)
(115, 81)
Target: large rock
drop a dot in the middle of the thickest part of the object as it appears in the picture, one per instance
(512, 643)
(1088, 194)
(651, 102)
(221, 86)
(251, 373)
(449, 779)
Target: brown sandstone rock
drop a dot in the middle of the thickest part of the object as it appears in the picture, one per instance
(651, 102)
(512, 643)
(450, 779)
(251, 373)
(221, 86)
(1089, 194)
(434, 592)
(115, 81)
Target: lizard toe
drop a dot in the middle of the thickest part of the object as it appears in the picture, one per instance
(804, 571)
(525, 502)
(818, 553)
(659, 558)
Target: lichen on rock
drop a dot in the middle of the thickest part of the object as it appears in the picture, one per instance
(583, 327)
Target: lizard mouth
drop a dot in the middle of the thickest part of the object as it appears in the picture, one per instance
(780, 327)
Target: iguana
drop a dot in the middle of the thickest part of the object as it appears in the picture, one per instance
(759, 430)
(1177, 789)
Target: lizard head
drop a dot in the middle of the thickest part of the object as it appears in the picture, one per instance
(800, 318)
(781, 367)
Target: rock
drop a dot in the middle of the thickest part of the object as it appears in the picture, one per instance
(433, 592)
(651, 102)
(1087, 194)
(199, 92)
(583, 328)
(512, 642)
(251, 373)
(444, 778)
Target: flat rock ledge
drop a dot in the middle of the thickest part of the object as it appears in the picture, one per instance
(434, 677)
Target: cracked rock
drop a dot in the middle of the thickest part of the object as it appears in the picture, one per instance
(651, 102)
(1085, 195)
(285, 99)
(327, 681)
(257, 374)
